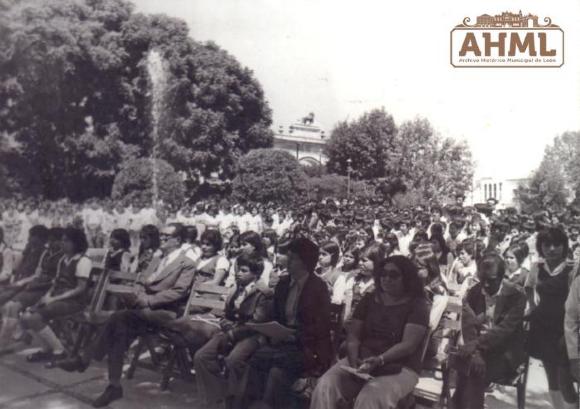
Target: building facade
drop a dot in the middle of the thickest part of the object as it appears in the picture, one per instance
(501, 189)
(304, 139)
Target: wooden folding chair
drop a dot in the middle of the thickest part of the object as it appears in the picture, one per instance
(114, 283)
(520, 379)
(69, 328)
(336, 326)
(111, 283)
(209, 298)
(431, 390)
(97, 257)
(424, 391)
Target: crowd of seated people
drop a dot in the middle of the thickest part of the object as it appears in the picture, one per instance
(351, 293)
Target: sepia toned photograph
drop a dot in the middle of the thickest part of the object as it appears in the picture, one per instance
(266, 204)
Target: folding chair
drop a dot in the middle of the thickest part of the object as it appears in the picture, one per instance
(432, 391)
(423, 391)
(97, 257)
(205, 297)
(337, 326)
(110, 283)
(69, 328)
(520, 379)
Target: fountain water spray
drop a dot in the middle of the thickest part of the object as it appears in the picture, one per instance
(158, 77)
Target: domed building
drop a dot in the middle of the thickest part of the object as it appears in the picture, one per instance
(304, 139)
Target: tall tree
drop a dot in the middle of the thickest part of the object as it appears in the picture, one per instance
(557, 179)
(75, 94)
(268, 175)
(545, 189)
(367, 142)
(430, 164)
(58, 87)
(565, 150)
(414, 155)
(214, 110)
(134, 184)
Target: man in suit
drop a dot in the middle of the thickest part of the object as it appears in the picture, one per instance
(159, 296)
(492, 328)
(301, 302)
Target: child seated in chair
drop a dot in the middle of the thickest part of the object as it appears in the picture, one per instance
(65, 297)
(236, 342)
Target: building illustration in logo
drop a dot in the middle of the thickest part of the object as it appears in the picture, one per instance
(507, 19)
(507, 40)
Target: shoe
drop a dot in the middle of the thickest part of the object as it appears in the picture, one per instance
(39, 356)
(55, 358)
(73, 364)
(111, 394)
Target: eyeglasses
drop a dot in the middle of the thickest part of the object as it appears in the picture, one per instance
(164, 237)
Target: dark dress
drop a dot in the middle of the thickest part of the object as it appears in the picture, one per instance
(36, 289)
(114, 259)
(26, 268)
(113, 262)
(383, 326)
(144, 259)
(65, 280)
(545, 341)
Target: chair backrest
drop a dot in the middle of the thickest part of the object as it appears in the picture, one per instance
(114, 282)
(96, 277)
(97, 256)
(438, 308)
(452, 319)
(17, 255)
(209, 297)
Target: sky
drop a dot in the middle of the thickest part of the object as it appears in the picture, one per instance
(341, 58)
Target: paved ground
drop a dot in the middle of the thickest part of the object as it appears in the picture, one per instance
(30, 386)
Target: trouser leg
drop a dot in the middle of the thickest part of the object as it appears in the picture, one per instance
(236, 363)
(210, 383)
(49, 338)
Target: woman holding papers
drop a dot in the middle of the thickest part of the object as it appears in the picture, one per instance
(384, 341)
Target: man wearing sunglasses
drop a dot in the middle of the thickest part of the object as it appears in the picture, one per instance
(160, 294)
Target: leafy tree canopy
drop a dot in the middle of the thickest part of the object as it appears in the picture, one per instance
(269, 175)
(75, 95)
(412, 155)
(134, 183)
(367, 142)
(554, 183)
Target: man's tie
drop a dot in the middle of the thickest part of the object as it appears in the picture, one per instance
(160, 268)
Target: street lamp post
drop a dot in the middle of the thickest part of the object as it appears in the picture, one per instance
(348, 171)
